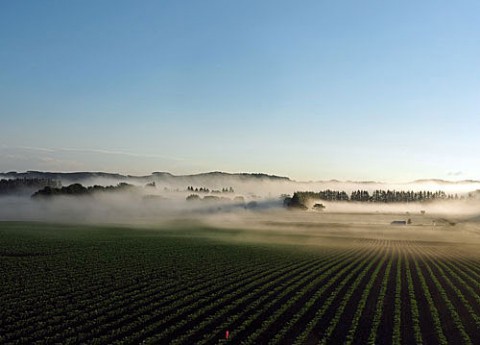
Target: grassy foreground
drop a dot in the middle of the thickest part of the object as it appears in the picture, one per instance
(189, 285)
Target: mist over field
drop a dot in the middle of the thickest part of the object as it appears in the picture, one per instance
(240, 243)
(241, 201)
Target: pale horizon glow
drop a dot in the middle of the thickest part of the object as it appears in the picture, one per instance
(368, 91)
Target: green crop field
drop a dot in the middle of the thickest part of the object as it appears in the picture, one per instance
(189, 285)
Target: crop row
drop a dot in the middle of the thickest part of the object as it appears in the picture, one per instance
(185, 291)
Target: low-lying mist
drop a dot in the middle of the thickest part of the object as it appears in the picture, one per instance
(124, 207)
(257, 209)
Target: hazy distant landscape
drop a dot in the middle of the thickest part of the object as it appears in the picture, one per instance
(113, 198)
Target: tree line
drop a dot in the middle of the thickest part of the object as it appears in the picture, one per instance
(214, 191)
(78, 189)
(399, 196)
(19, 185)
(378, 196)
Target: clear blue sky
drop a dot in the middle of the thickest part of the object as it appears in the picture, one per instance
(361, 90)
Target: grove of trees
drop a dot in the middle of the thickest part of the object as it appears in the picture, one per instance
(207, 190)
(78, 189)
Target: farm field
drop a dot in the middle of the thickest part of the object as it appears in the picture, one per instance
(190, 283)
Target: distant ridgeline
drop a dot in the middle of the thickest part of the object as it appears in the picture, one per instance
(210, 177)
(26, 185)
(303, 199)
(78, 189)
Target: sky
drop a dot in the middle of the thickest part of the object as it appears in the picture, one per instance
(313, 90)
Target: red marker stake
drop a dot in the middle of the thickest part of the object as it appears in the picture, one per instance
(227, 334)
